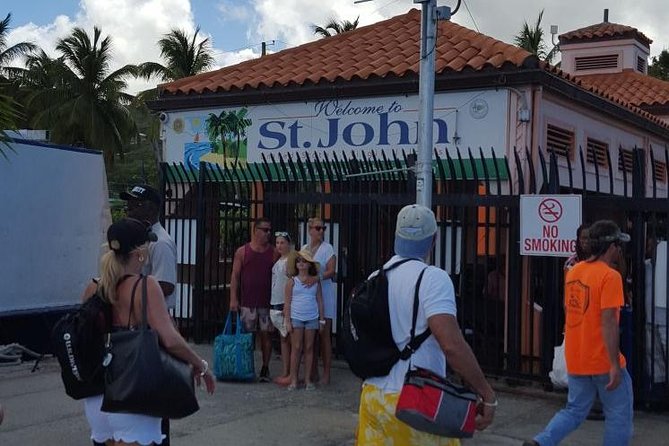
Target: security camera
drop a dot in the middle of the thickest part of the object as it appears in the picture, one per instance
(164, 117)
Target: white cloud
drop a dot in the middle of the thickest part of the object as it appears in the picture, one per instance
(231, 11)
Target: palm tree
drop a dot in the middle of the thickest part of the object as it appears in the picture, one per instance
(183, 55)
(333, 27)
(238, 124)
(531, 38)
(8, 54)
(86, 103)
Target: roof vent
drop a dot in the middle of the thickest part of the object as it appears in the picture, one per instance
(596, 62)
(641, 64)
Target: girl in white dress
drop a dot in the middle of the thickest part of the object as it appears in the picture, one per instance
(284, 246)
(324, 254)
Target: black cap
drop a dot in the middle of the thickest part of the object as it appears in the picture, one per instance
(142, 192)
(127, 234)
(607, 231)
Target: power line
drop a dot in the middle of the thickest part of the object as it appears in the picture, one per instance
(470, 15)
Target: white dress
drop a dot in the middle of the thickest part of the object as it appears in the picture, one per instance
(322, 255)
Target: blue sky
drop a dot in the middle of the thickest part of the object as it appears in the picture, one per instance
(236, 27)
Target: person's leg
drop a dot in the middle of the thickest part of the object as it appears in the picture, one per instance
(285, 354)
(165, 429)
(295, 353)
(618, 410)
(309, 335)
(582, 390)
(326, 349)
(265, 329)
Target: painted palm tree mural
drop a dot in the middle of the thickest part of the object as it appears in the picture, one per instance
(227, 136)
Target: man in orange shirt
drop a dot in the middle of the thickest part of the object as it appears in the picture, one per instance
(592, 299)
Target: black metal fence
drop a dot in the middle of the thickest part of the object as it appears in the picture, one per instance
(509, 306)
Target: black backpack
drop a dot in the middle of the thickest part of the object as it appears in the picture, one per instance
(78, 344)
(368, 344)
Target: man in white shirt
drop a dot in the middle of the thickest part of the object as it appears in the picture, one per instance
(415, 234)
(144, 204)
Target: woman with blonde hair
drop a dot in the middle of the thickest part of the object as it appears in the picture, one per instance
(120, 269)
(324, 254)
(303, 311)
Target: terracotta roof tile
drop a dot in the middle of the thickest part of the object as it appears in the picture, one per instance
(604, 30)
(393, 44)
(391, 48)
(631, 86)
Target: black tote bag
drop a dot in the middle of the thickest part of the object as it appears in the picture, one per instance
(142, 378)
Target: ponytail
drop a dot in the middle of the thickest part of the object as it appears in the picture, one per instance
(111, 271)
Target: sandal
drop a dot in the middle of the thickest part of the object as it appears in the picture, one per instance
(310, 386)
(291, 387)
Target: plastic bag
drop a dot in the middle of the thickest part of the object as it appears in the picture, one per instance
(558, 375)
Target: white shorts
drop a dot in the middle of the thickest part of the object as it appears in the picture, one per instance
(125, 427)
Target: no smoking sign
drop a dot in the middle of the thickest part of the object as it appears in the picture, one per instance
(548, 224)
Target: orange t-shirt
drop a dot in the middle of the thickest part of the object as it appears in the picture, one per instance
(589, 288)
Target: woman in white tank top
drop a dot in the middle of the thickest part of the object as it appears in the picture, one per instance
(279, 279)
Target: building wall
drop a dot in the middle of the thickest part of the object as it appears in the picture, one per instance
(586, 123)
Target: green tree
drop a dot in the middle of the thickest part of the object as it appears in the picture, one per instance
(334, 27)
(184, 57)
(531, 38)
(9, 53)
(86, 103)
(659, 67)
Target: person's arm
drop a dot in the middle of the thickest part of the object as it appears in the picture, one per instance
(235, 277)
(286, 305)
(330, 267)
(160, 321)
(164, 266)
(460, 357)
(321, 309)
(90, 290)
(611, 335)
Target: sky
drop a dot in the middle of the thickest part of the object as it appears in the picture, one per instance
(236, 28)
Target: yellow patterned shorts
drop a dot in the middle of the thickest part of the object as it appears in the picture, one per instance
(378, 426)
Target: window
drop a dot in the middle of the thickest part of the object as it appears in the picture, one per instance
(660, 171)
(625, 160)
(596, 152)
(559, 141)
(596, 62)
(641, 64)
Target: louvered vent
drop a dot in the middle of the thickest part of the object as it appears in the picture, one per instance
(597, 152)
(641, 65)
(560, 141)
(596, 62)
(660, 171)
(625, 160)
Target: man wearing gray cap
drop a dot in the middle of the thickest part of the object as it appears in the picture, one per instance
(415, 236)
(593, 295)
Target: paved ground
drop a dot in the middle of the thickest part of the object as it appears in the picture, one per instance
(39, 412)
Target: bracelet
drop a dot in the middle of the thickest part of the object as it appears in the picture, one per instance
(493, 404)
(321, 321)
(205, 364)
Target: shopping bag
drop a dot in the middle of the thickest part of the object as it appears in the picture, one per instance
(558, 375)
(233, 353)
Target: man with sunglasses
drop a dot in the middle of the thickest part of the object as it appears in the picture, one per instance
(592, 299)
(251, 287)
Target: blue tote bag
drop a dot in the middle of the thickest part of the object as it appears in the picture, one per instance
(233, 353)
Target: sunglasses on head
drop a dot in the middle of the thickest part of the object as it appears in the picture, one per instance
(281, 234)
(300, 260)
(319, 228)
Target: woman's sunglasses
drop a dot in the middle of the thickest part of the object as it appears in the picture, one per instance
(300, 260)
(319, 228)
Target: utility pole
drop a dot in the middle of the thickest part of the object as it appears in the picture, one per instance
(428, 42)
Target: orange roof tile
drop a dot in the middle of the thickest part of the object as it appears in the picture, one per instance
(631, 86)
(387, 48)
(604, 30)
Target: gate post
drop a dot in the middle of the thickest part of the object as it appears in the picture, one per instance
(198, 289)
(639, 288)
(553, 300)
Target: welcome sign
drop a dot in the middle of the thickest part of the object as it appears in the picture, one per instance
(335, 126)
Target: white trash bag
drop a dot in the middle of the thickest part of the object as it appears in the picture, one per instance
(558, 375)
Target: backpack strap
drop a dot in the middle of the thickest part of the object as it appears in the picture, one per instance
(415, 341)
(395, 265)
